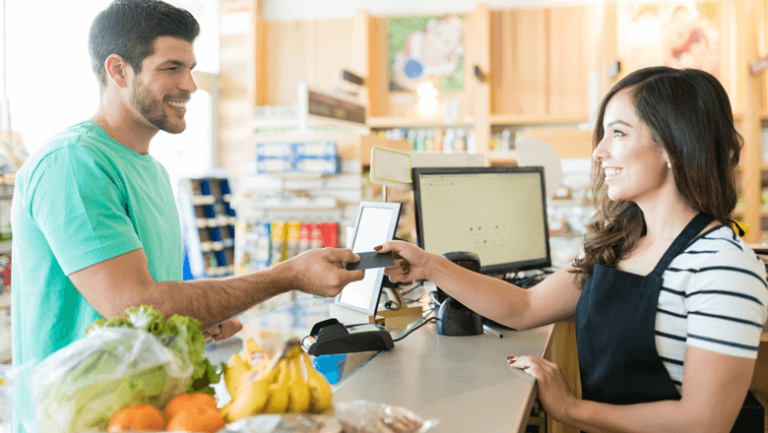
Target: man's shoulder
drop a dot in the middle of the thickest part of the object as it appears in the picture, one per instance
(81, 136)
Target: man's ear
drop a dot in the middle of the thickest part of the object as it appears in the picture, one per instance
(118, 70)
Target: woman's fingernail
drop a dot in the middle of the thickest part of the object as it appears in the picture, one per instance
(376, 248)
(525, 368)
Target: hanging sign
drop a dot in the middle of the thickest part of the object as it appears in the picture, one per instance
(328, 106)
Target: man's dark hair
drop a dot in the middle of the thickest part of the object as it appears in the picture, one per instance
(129, 28)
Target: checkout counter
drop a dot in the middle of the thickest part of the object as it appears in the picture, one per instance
(464, 382)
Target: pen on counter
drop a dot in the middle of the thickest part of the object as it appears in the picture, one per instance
(492, 331)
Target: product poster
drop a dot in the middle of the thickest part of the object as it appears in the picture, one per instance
(678, 34)
(428, 48)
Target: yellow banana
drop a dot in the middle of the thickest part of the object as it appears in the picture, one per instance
(251, 398)
(321, 397)
(298, 389)
(236, 369)
(278, 392)
(294, 352)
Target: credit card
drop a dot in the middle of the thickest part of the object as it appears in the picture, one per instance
(371, 260)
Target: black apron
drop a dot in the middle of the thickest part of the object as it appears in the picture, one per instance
(615, 331)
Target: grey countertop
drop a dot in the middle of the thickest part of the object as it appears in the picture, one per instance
(464, 382)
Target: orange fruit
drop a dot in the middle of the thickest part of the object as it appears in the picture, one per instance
(137, 417)
(188, 401)
(197, 419)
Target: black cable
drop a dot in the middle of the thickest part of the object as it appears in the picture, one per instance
(412, 289)
(430, 320)
(417, 299)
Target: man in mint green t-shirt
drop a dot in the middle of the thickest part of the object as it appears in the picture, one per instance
(94, 220)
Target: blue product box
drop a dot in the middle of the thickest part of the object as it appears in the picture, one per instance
(316, 149)
(275, 165)
(275, 150)
(263, 246)
(325, 165)
(209, 211)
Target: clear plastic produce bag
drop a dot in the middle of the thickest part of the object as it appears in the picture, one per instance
(359, 416)
(7, 381)
(81, 386)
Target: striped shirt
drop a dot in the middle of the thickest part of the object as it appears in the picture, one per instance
(714, 296)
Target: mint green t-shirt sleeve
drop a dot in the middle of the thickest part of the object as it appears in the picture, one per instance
(77, 201)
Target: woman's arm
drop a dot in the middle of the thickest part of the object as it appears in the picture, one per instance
(714, 387)
(551, 300)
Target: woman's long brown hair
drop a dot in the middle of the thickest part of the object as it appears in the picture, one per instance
(689, 115)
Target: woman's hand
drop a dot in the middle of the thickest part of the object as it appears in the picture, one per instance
(554, 393)
(411, 262)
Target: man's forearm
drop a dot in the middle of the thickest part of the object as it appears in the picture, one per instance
(211, 300)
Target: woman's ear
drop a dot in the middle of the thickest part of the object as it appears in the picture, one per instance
(117, 70)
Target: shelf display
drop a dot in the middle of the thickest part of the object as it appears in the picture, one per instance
(208, 227)
(263, 243)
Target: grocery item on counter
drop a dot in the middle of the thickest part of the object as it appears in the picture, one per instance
(359, 416)
(276, 385)
(139, 417)
(201, 418)
(81, 386)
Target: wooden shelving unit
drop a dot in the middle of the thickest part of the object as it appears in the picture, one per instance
(537, 68)
(522, 119)
(408, 122)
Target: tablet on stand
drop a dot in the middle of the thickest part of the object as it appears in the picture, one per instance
(375, 224)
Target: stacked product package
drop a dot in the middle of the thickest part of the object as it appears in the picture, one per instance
(277, 241)
(318, 157)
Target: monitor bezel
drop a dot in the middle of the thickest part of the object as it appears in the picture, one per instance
(503, 268)
(374, 301)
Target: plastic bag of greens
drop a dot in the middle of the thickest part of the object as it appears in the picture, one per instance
(81, 386)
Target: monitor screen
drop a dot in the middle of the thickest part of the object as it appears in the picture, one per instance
(376, 224)
(499, 213)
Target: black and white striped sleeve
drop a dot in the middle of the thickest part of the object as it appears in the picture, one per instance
(727, 303)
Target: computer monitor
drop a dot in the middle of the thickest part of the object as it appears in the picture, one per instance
(499, 213)
(376, 224)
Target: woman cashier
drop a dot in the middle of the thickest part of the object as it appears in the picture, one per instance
(669, 302)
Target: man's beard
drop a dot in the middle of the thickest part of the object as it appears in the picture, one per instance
(152, 109)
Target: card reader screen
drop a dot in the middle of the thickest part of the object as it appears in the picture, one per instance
(499, 216)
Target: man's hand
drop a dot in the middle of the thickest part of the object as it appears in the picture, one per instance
(223, 331)
(322, 272)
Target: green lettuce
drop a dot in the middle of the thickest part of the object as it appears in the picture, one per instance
(181, 334)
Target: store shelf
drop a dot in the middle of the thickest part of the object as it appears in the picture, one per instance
(221, 221)
(313, 121)
(5, 356)
(203, 199)
(499, 156)
(297, 176)
(403, 122)
(5, 301)
(5, 247)
(740, 211)
(517, 119)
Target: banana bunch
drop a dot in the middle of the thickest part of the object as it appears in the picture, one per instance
(277, 386)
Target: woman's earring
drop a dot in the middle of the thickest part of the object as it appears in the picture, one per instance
(669, 165)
